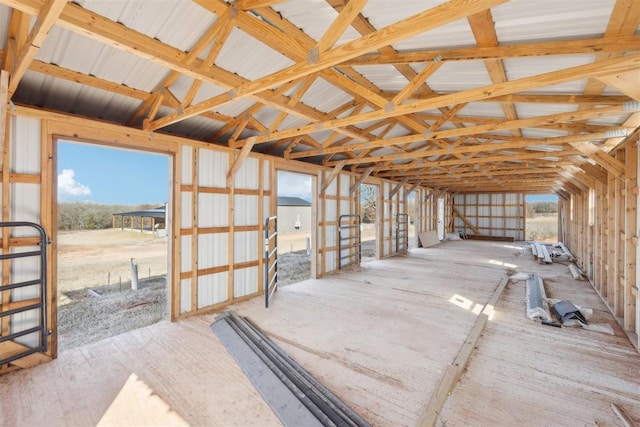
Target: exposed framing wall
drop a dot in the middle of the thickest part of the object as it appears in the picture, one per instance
(601, 229)
(494, 214)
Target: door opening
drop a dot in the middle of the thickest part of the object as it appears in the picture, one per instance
(295, 227)
(368, 221)
(112, 241)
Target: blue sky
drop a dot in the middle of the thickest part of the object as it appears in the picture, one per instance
(99, 174)
(294, 185)
(541, 198)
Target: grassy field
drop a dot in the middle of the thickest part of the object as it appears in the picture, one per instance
(543, 228)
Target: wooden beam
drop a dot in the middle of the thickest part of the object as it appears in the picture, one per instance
(595, 171)
(627, 83)
(329, 179)
(419, 79)
(565, 47)
(466, 220)
(424, 21)
(414, 186)
(4, 116)
(337, 28)
(625, 63)
(543, 98)
(244, 153)
(360, 180)
(398, 187)
(519, 143)
(594, 152)
(256, 4)
(47, 16)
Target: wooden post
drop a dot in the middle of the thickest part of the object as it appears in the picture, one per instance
(630, 216)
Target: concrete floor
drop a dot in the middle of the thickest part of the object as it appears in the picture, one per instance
(379, 337)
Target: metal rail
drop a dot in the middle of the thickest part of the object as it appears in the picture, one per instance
(352, 240)
(402, 233)
(270, 258)
(30, 304)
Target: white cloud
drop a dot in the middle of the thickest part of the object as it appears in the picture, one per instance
(294, 185)
(68, 185)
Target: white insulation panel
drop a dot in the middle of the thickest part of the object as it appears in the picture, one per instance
(245, 210)
(212, 250)
(185, 254)
(186, 165)
(247, 176)
(25, 206)
(186, 212)
(25, 145)
(185, 295)
(212, 289)
(245, 281)
(245, 246)
(212, 168)
(213, 210)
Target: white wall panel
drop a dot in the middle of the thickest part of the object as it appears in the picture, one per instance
(245, 246)
(25, 145)
(186, 165)
(330, 210)
(185, 254)
(345, 185)
(213, 210)
(266, 174)
(212, 168)
(212, 289)
(185, 212)
(331, 238)
(246, 210)
(21, 270)
(245, 281)
(330, 262)
(266, 209)
(25, 206)
(212, 250)
(185, 296)
(247, 176)
(345, 207)
(332, 189)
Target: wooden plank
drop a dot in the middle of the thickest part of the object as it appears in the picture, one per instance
(622, 415)
(419, 23)
(348, 13)
(565, 47)
(326, 182)
(428, 238)
(466, 221)
(237, 164)
(4, 117)
(453, 372)
(626, 83)
(398, 186)
(621, 64)
(361, 179)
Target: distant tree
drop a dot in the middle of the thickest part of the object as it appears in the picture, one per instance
(535, 208)
(368, 199)
(91, 216)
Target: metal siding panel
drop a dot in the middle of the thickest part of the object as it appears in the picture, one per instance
(212, 289)
(266, 209)
(25, 145)
(247, 176)
(330, 262)
(186, 165)
(331, 236)
(185, 296)
(345, 185)
(185, 209)
(245, 281)
(213, 210)
(185, 254)
(25, 206)
(212, 250)
(212, 168)
(330, 210)
(246, 210)
(266, 175)
(345, 206)
(245, 246)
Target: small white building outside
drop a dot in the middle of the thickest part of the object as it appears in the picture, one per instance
(294, 215)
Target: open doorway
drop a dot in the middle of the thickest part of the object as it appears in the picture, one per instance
(368, 220)
(111, 243)
(541, 217)
(412, 211)
(295, 226)
(441, 218)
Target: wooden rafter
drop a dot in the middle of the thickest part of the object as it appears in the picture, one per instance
(47, 16)
(326, 182)
(622, 64)
(565, 47)
(432, 18)
(244, 153)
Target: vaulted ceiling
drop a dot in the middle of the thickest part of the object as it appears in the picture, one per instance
(459, 95)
